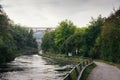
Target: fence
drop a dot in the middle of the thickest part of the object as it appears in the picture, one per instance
(76, 72)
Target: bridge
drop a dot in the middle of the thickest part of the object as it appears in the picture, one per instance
(41, 29)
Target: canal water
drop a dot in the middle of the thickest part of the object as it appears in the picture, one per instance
(32, 67)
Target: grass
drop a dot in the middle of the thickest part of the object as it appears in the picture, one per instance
(73, 75)
(87, 71)
(63, 58)
(111, 63)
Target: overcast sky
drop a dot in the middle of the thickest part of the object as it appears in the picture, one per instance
(48, 13)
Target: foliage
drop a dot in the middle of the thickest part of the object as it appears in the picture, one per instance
(65, 29)
(74, 42)
(91, 36)
(69, 39)
(85, 39)
(100, 39)
(110, 44)
(23, 38)
(13, 38)
(48, 44)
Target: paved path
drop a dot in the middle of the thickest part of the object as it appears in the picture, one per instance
(104, 72)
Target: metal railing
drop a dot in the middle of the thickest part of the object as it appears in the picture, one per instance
(76, 72)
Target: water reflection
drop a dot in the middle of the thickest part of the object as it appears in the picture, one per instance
(32, 67)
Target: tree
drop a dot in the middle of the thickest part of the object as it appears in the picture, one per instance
(13, 38)
(6, 43)
(4, 22)
(65, 29)
(110, 47)
(31, 41)
(91, 34)
(23, 38)
(48, 44)
(74, 42)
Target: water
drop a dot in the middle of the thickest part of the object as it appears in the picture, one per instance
(32, 67)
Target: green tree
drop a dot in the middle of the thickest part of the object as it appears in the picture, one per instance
(48, 44)
(111, 38)
(31, 41)
(6, 48)
(23, 37)
(91, 34)
(13, 38)
(4, 22)
(65, 29)
(75, 42)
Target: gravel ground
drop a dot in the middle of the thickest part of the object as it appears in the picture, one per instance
(104, 72)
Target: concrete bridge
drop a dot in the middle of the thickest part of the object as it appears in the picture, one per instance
(41, 29)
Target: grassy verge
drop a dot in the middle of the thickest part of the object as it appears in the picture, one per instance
(87, 71)
(63, 58)
(111, 63)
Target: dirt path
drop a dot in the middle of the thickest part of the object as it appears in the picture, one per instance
(104, 72)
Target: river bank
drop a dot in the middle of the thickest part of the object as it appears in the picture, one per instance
(63, 58)
(25, 51)
(28, 51)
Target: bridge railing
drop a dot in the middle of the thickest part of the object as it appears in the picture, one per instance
(76, 72)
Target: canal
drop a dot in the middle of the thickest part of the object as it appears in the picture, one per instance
(33, 67)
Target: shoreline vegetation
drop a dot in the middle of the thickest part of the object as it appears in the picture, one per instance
(29, 51)
(63, 58)
(14, 39)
